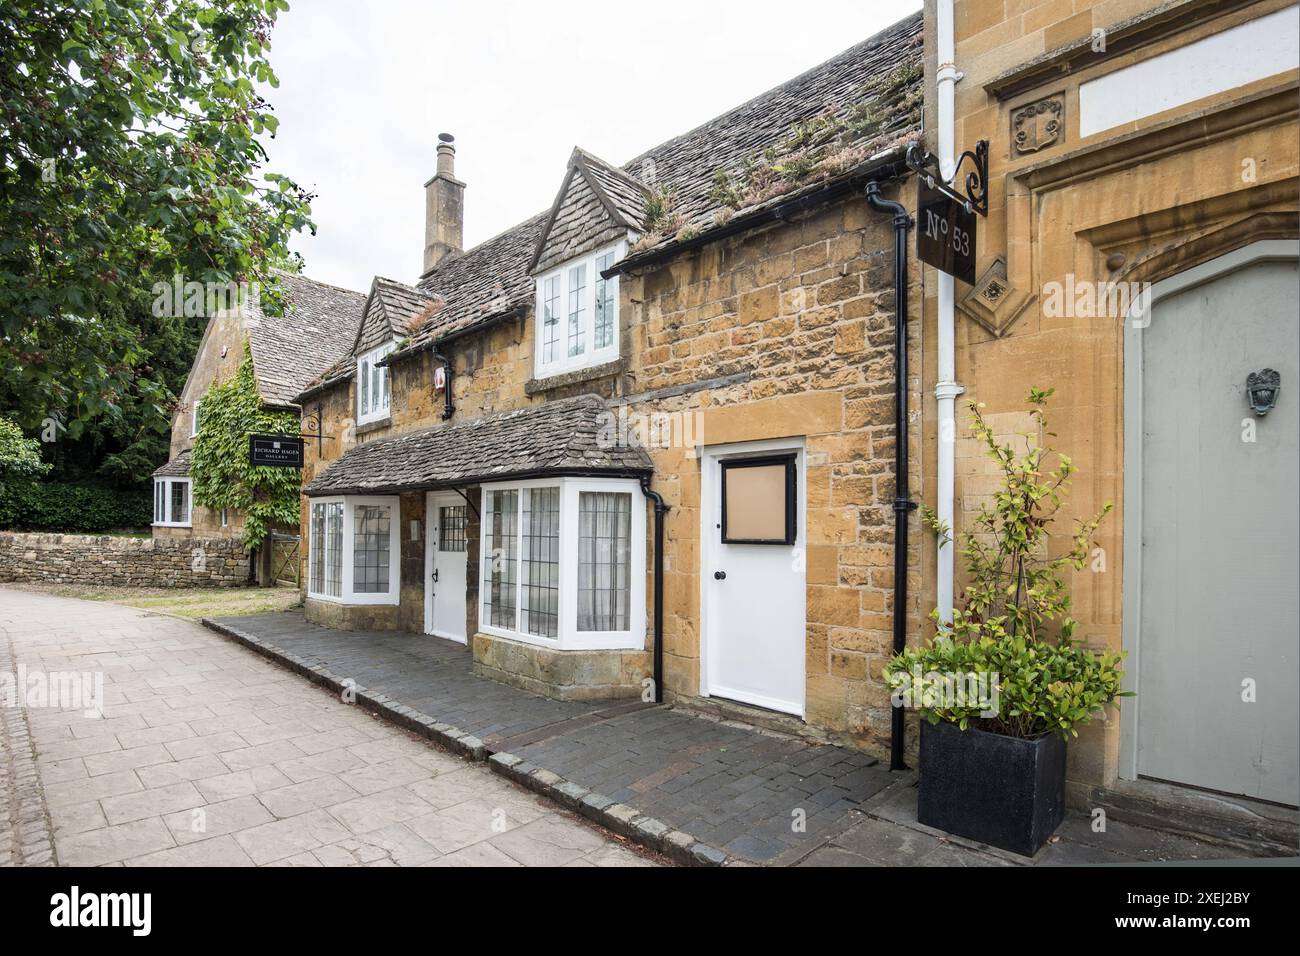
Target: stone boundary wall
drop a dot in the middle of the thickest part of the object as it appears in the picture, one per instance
(107, 561)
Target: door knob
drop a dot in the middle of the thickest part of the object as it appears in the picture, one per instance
(435, 575)
(719, 575)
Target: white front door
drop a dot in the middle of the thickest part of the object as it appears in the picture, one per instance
(444, 563)
(1216, 649)
(752, 574)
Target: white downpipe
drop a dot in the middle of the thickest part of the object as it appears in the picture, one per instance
(946, 388)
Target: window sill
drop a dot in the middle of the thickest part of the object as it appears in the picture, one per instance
(564, 643)
(373, 425)
(171, 524)
(384, 600)
(579, 376)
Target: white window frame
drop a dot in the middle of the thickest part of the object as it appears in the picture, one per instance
(194, 417)
(568, 637)
(590, 355)
(170, 521)
(374, 377)
(347, 596)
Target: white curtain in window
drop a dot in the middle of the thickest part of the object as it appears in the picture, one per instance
(604, 560)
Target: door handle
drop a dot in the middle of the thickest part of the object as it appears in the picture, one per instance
(719, 575)
(435, 575)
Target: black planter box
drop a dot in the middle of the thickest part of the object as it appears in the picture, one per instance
(1003, 791)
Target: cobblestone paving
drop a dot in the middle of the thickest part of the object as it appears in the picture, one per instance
(25, 833)
(760, 797)
(208, 754)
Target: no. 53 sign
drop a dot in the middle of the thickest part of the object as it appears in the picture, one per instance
(945, 233)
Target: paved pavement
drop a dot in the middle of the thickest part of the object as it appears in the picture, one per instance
(759, 797)
(208, 754)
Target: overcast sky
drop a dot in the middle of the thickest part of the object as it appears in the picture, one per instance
(366, 87)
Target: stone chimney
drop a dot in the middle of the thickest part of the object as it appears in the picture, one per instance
(444, 206)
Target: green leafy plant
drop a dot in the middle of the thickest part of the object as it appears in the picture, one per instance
(133, 151)
(1014, 619)
(73, 507)
(221, 474)
(20, 456)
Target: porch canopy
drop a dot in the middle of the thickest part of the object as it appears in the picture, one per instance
(574, 436)
(178, 467)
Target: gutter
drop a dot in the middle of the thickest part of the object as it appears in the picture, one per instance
(886, 165)
(661, 509)
(903, 503)
(638, 474)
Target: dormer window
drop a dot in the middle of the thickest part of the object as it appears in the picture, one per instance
(577, 314)
(372, 385)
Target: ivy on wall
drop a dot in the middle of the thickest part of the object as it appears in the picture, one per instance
(219, 468)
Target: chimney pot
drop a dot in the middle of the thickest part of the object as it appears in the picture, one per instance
(446, 155)
(444, 207)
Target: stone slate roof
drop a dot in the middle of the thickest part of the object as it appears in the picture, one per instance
(879, 79)
(399, 303)
(386, 312)
(318, 325)
(625, 195)
(553, 437)
(178, 467)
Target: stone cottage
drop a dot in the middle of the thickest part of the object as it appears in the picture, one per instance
(644, 443)
(317, 323)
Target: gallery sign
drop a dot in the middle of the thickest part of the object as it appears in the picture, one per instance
(275, 451)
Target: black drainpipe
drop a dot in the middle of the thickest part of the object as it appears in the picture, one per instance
(448, 409)
(903, 502)
(661, 509)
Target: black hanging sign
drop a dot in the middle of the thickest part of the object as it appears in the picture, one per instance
(275, 451)
(945, 232)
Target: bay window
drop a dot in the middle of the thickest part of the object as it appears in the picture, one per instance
(577, 314)
(171, 502)
(372, 385)
(563, 563)
(353, 550)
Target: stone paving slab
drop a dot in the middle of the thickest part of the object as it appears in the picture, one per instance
(756, 796)
(249, 764)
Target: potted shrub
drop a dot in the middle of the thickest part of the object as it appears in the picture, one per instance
(1003, 686)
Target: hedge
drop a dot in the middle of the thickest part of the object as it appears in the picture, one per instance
(72, 507)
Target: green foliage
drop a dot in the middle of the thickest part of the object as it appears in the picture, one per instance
(130, 154)
(1014, 618)
(1040, 687)
(220, 473)
(29, 505)
(20, 457)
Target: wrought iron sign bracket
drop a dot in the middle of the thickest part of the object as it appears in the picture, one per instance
(312, 422)
(976, 182)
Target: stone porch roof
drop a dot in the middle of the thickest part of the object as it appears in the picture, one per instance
(560, 437)
(178, 467)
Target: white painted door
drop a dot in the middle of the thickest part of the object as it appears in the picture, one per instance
(444, 586)
(1217, 647)
(753, 595)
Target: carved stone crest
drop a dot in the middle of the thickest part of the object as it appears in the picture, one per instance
(1038, 125)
